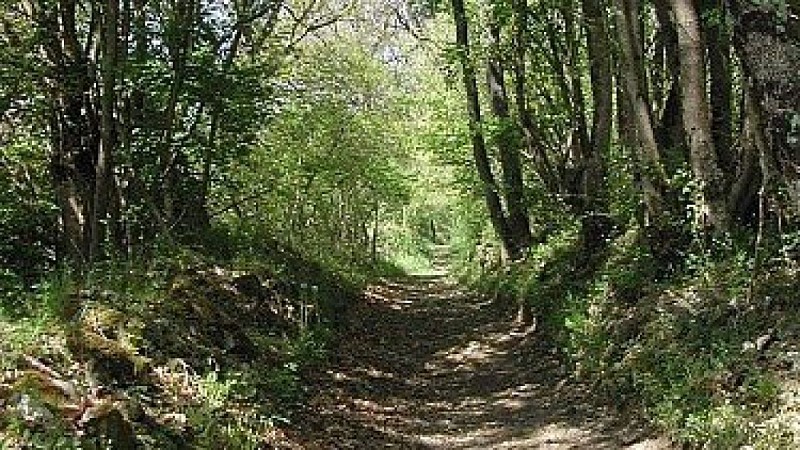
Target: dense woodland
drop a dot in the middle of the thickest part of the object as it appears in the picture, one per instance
(625, 175)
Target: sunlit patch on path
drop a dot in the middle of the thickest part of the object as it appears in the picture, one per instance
(424, 364)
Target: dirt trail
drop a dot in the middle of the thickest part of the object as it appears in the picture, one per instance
(425, 365)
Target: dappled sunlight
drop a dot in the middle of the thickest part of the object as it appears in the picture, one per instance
(428, 365)
(487, 349)
(376, 373)
(385, 296)
(474, 352)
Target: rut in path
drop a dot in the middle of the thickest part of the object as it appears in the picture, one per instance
(423, 364)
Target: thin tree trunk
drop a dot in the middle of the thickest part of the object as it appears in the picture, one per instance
(184, 18)
(532, 136)
(104, 164)
(483, 166)
(507, 145)
(375, 228)
(721, 88)
(213, 133)
(596, 223)
(577, 100)
(744, 191)
(653, 175)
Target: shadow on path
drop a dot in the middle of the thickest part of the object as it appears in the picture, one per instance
(425, 365)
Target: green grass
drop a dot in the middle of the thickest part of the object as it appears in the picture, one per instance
(215, 400)
(668, 345)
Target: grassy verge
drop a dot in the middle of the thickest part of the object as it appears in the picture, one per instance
(705, 351)
(183, 349)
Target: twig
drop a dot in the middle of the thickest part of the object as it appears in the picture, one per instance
(41, 367)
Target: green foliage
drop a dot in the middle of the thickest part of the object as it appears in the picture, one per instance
(276, 389)
(220, 415)
(329, 161)
(27, 212)
(322, 159)
(310, 348)
(678, 347)
(221, 400)
(54, 437)
(12, 292)
(53, 295)
(26, 335)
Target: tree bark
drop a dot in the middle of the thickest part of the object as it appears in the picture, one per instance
(532, 136)
(653, 175)
(73, 129)
(602, 83)
(104, 164)
(507, 145)
(482, 164)
(768, 44)
(721, 86)
(179, 50)
(669, 130)
(744, 191)
(578, 110)
(697, 117)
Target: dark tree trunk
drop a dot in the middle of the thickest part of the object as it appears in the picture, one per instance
(744, 191)
(508, 149)
(594, 184)
(653, 175)
(108, 138)
(482, 163)
(718, 41)
(669, 130)
(768, 44)
(73, 128)
(532, 136)
(170, 155)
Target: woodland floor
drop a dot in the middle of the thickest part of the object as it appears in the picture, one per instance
(424, 364)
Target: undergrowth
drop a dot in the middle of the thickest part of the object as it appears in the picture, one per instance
(688, 347)
(180, 347)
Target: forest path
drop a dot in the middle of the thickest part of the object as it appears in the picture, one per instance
(424, 364)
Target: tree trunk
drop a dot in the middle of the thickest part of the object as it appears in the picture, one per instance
(697, 117)
(669, 131)
(720, 76)
(653, 175)
(532, 136)
(507, 145)
(375, 230)
(482, 164)
(768, 44)
(73, 131)
(594, 186)
(179, 50)
(744, 191)
(578, 113)
(104, 164)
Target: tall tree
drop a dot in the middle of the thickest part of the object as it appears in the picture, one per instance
(533, 139)
(491, 190)
(507, 143)
(74, 121)
(696, 115)
(634, 87)
(602, 84)
(108, 134)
